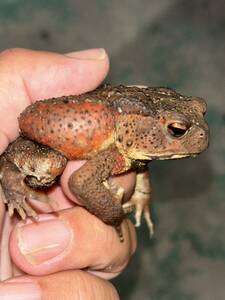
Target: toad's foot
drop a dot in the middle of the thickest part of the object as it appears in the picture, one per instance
(116, 190)
(15, 192)
(140, 201)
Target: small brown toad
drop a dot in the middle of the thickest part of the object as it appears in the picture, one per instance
(116, 129)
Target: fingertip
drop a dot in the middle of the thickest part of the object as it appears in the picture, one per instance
(33, 75)
(89, 54)
(76, 285)
(87, 69)
(48, 246)
(66, 74)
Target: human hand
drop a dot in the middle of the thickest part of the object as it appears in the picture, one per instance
(71, 254)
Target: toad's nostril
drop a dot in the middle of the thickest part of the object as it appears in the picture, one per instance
(202, 133)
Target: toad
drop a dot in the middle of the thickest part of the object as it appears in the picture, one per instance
(115, 129)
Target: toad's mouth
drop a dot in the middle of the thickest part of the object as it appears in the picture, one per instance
(176, 156)
(171, 156)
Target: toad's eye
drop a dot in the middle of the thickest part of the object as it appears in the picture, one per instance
(177, 129)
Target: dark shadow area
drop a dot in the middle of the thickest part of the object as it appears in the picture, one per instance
(181, 180)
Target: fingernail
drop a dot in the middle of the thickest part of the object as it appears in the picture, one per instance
(20, 290)
(41, 241)
(90, 54)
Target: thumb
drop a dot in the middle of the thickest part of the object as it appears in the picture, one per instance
(27, 75)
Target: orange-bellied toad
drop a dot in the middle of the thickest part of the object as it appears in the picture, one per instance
(116, 129)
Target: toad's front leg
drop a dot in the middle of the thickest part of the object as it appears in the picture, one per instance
(25, 166)
(89, 184)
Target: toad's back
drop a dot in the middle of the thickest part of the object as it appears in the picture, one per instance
(78, 129)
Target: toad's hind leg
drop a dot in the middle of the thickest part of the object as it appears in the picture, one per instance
(140, 201)
(89, 184)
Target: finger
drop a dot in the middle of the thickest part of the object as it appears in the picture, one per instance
(69, 285)
(7, 269)
(5, 265)
(2, 210)
(74, 239)
(27, 75)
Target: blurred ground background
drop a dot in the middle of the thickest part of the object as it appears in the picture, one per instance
(175, 43)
